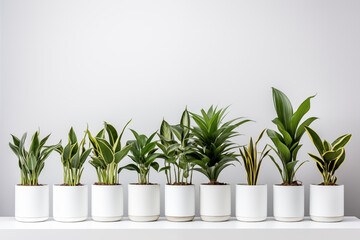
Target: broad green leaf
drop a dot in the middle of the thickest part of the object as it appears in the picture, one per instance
(32, 162)
(301, 129)
(315, 139)
(122, 153)
(106, 151)
(340, 143)
(283, 107)
(300, 112)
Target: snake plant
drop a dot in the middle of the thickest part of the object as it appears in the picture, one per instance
(107, 153)
(177, 151)
(31, 162)
(251, 161)
(331, 155)
(287, 140)
(143, 153)
(73, 157)
(212, 141)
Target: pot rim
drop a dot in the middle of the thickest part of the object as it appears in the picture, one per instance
(257, 185)
(106, 185)
(217, 185)
(60, 185)
(294, 186)
(318, 185)
(42, 185)
(171, 185)
(137, 184)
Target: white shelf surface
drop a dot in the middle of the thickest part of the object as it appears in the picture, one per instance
(162, 229)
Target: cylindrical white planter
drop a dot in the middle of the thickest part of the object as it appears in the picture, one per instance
(251, 202)
(143, 202)
(180, 202)
(70, 203)
(215, 202)
(107, 203)
(288, 203)
(31, 203)
(327, 203)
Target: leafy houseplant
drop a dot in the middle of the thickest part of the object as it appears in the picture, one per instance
(212, 142)
(250, 159)
(143, 196)
(214, 153)
(107, 153)
(31, 198)
(287, 140)
(143, 151)
(31, 162)
(251, 199)
(73, 157)
(331, 155)
(327, 198)
(177, 153)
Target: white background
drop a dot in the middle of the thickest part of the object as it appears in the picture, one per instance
(72, 63)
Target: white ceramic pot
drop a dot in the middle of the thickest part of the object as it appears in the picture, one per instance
(215, 202)
(288, 203)
(31, 203)
(180, 202)
(251, 202)
(327, 203)
(107, 203)
(143, 202)
(70, 203)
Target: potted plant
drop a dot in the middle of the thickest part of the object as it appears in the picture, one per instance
(214, 150)
(31, 198)
(107, 194)
(327, 198)
(143, 196)
(251, 199)
(70, 199)
(289, 196)
(176, 152)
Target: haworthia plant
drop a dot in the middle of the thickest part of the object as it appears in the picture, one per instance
(177, 151)
(143, 153)
(212, 141)
(108, 153)
(252, 162)
(73, 157)
(31, 162)
(332, 155)
(290, 131)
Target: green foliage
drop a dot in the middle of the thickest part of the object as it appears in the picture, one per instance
(177, 151)
(287, 140)
(211, 138)
(108, 153)
(331, 155)
(250, 159)
(73, 157)
(31, 162)
(143, 154)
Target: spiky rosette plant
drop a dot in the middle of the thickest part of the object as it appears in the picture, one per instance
(31, 162)
(331, 155)
(177, 150)
(108, 153)
(287, 140)
(212, 141)
(73, 157)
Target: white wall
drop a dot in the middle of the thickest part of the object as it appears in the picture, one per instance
(69, 63)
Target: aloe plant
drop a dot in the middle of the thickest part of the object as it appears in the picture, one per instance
(252, 162)
(143, 153)
(31, 162)
(177, 151)
(212, 142)
(331, 155)
(73, 157)
(287, 140)
(108, 153)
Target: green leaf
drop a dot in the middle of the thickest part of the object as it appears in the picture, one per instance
(113, 135)
(75, 160)
(301, 129)
(300, 112)
(72, 136)
(155, 166)
(331, 155)
(106, 151)
(283, 107)
(131, 167)
(122, 153)
(34, 146)
(341, 142)
(84, 156)
(32, 162)
(315, 139)
(282, 148)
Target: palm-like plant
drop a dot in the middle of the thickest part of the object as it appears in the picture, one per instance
(73, 157)
(287, 140)
(331, 155)
(108, 153)
(212, 142)
(143, 154)
(177, 151)
(31, 162)
(251, 161)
